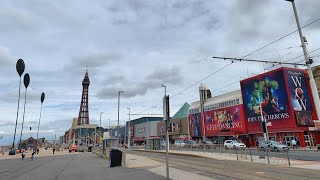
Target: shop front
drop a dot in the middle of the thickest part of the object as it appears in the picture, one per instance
(143, 131)
(178, 127)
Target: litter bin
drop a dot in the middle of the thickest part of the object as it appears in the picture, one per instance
(115, 157)
(90, 149)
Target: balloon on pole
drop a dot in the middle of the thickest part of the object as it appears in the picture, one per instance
(41, 99)
(26, 81)
(20, 66)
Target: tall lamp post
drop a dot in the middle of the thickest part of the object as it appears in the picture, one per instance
(26, 81)
(100, 127)
(109, 128)
(308, 60)
(129, 136)
(42, 99)
(167, 133)
(119, 92)
(20, 66)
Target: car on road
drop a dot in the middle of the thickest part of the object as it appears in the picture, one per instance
(163, 143)
(73, 148)
(191, 144)
(179, 143)
(273, 146)
(207, 144)
(233, 144)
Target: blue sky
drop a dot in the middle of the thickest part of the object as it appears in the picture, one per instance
(134, 46)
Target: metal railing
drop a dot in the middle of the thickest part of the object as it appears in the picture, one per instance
(249, 154)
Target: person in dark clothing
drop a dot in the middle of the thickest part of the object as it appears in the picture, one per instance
(38, 151)
(23, 155)
(257, 143)
(32, 155)
(53, 150)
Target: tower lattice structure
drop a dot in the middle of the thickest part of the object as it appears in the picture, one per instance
(83, 117)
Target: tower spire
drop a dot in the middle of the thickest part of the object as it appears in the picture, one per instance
(83, 117)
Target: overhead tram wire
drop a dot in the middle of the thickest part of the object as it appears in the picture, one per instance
(193, 84)
(281, 38)
(302, 55)
(202, 79)
(276, 50)
(258, 73)
(261, 48)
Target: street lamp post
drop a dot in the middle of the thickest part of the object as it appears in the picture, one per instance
(118, 133)
(109, 128)
(308, 61)
(100, 126)
(20, 69)
(42, 99)
(167, 135)
(129, 136)
(26, 81)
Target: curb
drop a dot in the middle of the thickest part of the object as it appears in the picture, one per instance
(100, 155)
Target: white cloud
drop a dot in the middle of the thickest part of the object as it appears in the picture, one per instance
(134, 46)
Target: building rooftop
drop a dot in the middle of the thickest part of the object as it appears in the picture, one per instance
(182, 112)
(145, 119)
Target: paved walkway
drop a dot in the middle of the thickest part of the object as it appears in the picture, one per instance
(77, 166)
(134, 161)
(42, 153)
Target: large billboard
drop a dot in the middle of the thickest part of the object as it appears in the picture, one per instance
(267, 92)
(224, 119)
(299, 96)
(195, 121)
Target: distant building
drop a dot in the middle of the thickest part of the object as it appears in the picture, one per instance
(31, 143)
(81, 132)
(143, 128)
(178, 125)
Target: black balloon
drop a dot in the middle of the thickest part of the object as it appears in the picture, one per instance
(26, 80)
(20, 67)
(42, 97)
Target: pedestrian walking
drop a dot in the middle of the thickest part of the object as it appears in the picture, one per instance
(53, 150)
(23, 155)
(293, 143)
(257, 143)
(32, 155)
(298, 143)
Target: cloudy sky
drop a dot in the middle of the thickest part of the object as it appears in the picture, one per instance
(135, 46)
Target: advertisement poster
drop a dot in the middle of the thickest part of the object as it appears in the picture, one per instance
(304, 118)
(298, 90)
(224, 119)
(268, 91)
(194, 120)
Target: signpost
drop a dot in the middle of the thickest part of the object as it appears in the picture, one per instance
(166, 117)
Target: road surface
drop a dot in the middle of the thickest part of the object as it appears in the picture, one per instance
(83, 166)
(224, 169)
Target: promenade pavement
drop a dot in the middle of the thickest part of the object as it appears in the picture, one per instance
(135, 161)
(42, 153)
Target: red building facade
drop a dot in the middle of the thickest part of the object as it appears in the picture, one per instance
(282, 97)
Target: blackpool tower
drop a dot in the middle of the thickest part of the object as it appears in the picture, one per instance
(83, 117)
